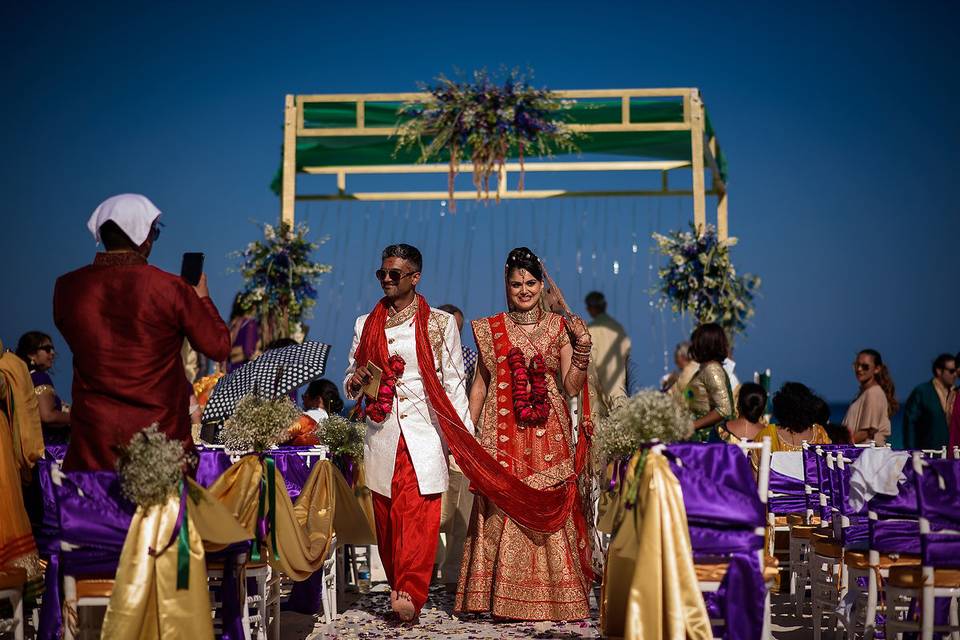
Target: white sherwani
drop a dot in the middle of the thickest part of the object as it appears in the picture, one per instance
(412, 414)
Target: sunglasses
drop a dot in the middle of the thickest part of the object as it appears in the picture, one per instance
(950, 371)
(395, 275)
(860, 366)
(49, 348)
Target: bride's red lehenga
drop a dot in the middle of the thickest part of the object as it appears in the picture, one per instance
(507, 570)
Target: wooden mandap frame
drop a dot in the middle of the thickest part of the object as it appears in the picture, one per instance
(644, 129)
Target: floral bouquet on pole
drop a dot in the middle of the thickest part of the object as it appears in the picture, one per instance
(280, 280)
(699, 278)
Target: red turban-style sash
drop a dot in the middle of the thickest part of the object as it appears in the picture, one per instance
(540, 510)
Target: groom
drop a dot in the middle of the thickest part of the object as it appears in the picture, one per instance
(404, 454)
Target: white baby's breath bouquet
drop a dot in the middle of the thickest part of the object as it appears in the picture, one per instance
(258, 424)
(151, 467)
(342, 436)
(644, 417)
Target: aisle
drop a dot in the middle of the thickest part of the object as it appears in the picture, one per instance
(364, 619)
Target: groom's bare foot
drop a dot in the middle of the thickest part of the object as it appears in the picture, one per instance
(403, 606)
(393, 597)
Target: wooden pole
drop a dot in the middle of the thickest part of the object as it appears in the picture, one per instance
(722, 230)
(289, 183)
(696, 153)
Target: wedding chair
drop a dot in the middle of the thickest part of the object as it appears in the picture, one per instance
(937, 485)
(785, 504)
(12, 581)
(892, 540)
(801, 529)
(726, 516)
(828, 578)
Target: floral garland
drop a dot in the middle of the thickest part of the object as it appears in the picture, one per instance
(530, 405)
(379, 410)
(490, 120)
(280, 278)
(699, 278)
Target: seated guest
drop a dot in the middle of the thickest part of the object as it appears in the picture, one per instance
(125, 322)
(837, 433)
(36, 349)
(708, 394)
(795, 411)
(750, 406)
(320, 401)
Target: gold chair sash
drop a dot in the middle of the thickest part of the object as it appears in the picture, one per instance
(650, 589)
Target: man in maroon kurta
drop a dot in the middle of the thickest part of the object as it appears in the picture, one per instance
(125, 322)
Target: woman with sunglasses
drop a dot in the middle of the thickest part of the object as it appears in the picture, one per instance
(868, 417)
(36, 349)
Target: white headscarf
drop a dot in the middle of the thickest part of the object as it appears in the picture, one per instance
(132, 212)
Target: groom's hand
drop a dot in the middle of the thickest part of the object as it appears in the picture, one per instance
(361, 376)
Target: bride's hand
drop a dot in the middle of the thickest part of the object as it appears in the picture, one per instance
(578, 330)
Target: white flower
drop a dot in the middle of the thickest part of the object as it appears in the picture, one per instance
(297, 332)
(268, 232)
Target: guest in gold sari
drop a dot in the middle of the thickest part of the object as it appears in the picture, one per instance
(708, 395)
(528, 368)
(795, 409)
(751, 403)
(21, 445)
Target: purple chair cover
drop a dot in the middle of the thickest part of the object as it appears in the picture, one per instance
(938, 498)
(896, 529)
(291, 465)
(790, 496)
(723, 514)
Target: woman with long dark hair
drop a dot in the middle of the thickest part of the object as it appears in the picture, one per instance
(531, 362)
(868, 417)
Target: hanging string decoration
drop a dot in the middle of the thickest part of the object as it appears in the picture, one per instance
(486, 121)
(280, 279)
(151, 467)
(699, 278)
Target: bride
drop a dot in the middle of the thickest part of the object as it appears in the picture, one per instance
(528, 368)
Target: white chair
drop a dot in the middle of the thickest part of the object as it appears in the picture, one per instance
(827, 578)
(12, 582)
(80, 594)
(709, 583)
(922, 585)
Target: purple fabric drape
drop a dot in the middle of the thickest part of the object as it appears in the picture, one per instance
(789, 496)
(724, 513)
(938, 497)
(291, 465)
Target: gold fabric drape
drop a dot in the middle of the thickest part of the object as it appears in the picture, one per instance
(21, 445)
(145, 603)
(650, 589)
(304, 531)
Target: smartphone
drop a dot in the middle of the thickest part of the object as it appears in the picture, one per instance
(192, 268)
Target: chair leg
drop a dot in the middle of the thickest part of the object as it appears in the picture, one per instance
(18, 615)
(70, 620)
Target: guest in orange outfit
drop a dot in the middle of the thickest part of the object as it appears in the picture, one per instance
(125, 322)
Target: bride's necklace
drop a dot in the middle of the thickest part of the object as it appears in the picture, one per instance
(532, 316)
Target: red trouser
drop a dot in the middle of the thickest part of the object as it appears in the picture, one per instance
(408, 528)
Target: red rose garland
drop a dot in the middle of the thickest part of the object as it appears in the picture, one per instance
(379, 410)
(530, 404)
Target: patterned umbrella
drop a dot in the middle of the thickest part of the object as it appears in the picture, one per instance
(274, 373)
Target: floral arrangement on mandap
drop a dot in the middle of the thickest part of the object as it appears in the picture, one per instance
(151, 467)
(645, 417)
(699, 278)
(258, 424)
(280, 278)
(487, 121)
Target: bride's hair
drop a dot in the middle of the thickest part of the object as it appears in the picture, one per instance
(523, 258)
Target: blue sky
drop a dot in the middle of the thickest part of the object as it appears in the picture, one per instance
(838, 119)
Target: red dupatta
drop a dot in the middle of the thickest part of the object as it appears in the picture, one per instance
(540, 510)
